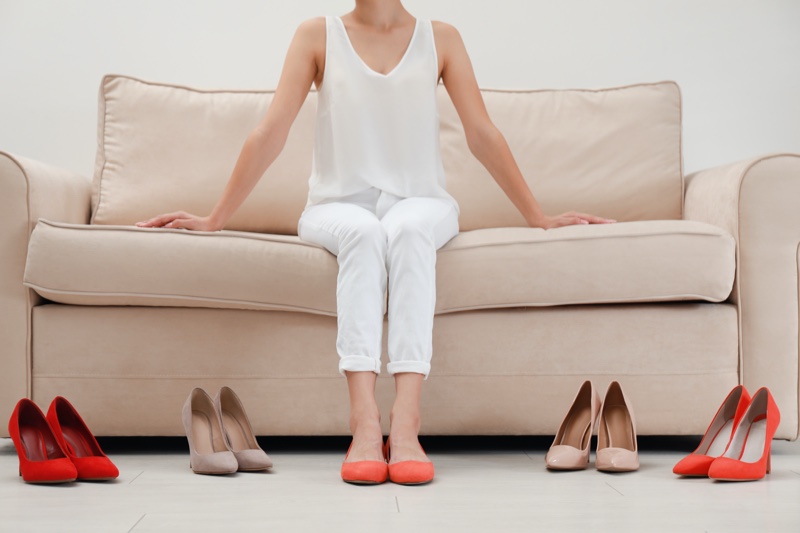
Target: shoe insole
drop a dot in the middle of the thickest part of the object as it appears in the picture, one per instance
(237, 435)
(618, 427)
(578, 429)
(77, 442)
(720, 441)
(201, 433)
(33, 443)
(754, 441)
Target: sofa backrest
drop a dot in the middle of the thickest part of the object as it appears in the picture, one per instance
(613, 152)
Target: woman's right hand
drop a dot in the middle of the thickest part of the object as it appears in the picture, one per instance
(180, 220)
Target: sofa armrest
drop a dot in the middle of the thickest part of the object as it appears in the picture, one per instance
(29, 190)
(758, 202)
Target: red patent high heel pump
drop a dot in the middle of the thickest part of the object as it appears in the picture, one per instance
(41, 457)
(717, 436)
(747, 457)
(78, 442)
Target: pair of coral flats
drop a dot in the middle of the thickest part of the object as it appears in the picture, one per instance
(376, 472)
(737, 443)
(617, 449)
(57, 448)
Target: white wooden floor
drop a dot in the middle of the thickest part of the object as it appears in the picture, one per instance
(481, 485)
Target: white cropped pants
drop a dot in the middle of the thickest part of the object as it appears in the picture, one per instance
(379, 238)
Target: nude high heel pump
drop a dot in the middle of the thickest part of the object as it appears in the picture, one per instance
(570, 449)
(239, 433)
(79, 443)
(747, 457)
(41, 457)
(717, 436)
(208, 452)
(617, 449)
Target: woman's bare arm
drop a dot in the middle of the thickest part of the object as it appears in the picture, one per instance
(303, 65)
(484, 139)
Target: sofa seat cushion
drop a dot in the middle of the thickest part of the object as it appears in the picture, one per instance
(488, 268)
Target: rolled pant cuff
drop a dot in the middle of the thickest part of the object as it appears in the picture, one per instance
(359, 363)
(417, 367)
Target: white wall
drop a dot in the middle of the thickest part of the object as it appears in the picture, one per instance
(737, 62)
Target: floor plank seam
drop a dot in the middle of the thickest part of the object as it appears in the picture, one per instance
(137, 477)
(137, 522)
(610, 485)
(397, 503)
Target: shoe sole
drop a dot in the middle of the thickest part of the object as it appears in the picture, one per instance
(50, 482)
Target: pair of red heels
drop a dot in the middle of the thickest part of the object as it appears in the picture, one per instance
(57, 448)
(737, 443)
(376, 472)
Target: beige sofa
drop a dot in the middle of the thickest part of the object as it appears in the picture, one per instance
(693, 291)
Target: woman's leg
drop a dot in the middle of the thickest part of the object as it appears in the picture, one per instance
(416, 228)
(356, 237)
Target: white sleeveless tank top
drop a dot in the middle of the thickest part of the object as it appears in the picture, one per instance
(374, 130)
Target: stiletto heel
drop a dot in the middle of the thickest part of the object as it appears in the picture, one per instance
(41, 457)
(717, 436)
(408, 472)
(79, 443)
(570, 448)
(364, 472)
(617, 449)
(208, 451)
(747, 457)
(238, 432)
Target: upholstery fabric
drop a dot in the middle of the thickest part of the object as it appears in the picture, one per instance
(614, 152)
(481, 269)
(493, 371)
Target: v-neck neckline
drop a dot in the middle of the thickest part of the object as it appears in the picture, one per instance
(364, 63)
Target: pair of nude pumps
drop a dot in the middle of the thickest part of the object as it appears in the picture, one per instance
(221, 439)
(617, 450)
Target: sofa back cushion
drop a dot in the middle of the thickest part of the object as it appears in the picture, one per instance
(613, 152)
(164, 148)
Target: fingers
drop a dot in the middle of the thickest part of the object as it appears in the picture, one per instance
(180, 223)
(162, 220)
(592, 219)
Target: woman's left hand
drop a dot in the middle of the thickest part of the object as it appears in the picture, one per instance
(571, 218)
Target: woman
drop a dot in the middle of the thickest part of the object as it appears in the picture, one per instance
(377, 200)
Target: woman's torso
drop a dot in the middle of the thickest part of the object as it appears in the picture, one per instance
(377, 130)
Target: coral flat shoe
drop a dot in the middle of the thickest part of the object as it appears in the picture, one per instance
(717, 435)
(570, 449)
(617, 449)
(78, 442)
(364, 472)
(41, 457)
(408, 472)
(747, 457)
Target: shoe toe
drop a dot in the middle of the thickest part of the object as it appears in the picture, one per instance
(50, 471)
(215, 463)
(253, 460)
(693, 465)
(562, 457)
(727, 469)
(617, 460)
(411, 472)
(95, 468)
(366, 472)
